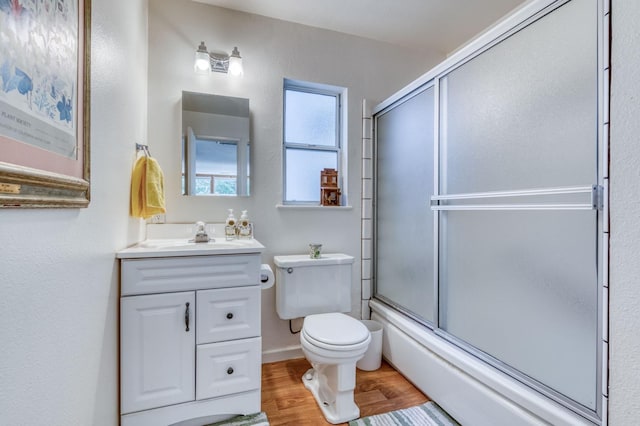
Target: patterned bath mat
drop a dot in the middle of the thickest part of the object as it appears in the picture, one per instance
(428, 414)
(258, 419)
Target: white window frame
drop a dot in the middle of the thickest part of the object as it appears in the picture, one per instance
(320, 89)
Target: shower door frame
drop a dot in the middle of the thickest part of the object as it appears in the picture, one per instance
(413, 93)
(599, 199)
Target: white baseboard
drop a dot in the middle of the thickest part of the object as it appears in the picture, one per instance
(282, 354)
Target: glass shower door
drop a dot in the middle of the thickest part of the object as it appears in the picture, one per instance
(518, 278)
(404, 275)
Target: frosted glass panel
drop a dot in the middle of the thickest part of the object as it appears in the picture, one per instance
(523, 114)
(522, 287)
(310, 118)
(303, 172)
(404, 221)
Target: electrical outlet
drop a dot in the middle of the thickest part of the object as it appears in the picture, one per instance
(158, 218)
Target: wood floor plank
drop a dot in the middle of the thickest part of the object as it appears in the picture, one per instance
(287, 402)
(369, 397)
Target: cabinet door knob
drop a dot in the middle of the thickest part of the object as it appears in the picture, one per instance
(186, 316)
(230, 370)
(229, 315)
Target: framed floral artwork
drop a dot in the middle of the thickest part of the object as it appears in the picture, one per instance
(44, 103)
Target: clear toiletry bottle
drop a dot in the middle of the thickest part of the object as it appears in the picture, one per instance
(230, 226)
(245, 228)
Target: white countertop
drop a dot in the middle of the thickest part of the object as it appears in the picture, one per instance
(182, 247)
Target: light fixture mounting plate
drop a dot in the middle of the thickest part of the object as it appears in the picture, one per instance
(219, 62)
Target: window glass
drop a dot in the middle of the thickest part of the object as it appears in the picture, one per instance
(203, 185)
(216, 167)
(303, 172)
(216, 157)
(311, 133)
(310, 118)
(224, 185)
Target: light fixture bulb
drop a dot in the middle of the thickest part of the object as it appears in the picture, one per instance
(235, 63)
(202, 64)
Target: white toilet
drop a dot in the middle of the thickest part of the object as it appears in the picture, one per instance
(318, 290)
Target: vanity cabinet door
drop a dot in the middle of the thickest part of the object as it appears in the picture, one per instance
(157, 335)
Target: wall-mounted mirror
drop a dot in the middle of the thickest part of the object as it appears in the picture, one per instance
(215, 145)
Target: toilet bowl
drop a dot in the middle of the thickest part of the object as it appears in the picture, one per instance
(319, 290)
(333, 343)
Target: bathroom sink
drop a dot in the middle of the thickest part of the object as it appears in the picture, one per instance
(181, 244)
(184, 247)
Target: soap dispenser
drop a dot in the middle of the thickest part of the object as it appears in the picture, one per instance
(245, 228)
(230, 226)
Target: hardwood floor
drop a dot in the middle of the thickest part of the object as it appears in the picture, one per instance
(287, 402)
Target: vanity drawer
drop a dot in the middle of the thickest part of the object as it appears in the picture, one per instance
(228, 314)
(141, 276)
(228, 367)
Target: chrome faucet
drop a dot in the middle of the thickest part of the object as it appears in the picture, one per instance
(201, 233)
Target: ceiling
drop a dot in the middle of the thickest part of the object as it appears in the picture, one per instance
(441, 25)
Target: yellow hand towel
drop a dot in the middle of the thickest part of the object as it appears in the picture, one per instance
(137, 191)
(147, 188)
(154, 185)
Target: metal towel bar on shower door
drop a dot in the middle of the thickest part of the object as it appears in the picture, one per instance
(594, 190)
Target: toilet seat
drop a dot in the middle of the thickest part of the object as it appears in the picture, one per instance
(335, 331)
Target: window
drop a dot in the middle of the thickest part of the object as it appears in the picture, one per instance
(312, 139)
(215, 169)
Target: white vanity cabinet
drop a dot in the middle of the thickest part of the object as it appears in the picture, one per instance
(190, 345)
(158, 350)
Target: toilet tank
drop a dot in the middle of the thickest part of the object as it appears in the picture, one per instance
(306, 286)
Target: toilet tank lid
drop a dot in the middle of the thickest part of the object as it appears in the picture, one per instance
(291, 261)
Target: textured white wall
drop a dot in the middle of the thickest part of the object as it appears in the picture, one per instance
(58, 280)
(272, 50)
(624, 273)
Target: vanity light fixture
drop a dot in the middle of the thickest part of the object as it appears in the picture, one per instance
(207, 62)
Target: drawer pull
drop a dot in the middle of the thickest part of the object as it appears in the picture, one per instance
(229, 315)
(230, 370)
(186, 316)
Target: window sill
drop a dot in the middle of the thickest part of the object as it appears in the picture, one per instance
(311, 207)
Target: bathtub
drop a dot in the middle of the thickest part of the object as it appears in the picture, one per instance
(471, 391)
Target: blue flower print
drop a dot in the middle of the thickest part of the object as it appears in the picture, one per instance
(20, 80)
(25, 85)
(64, 106)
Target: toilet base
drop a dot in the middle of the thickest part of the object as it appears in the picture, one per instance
(337, 406)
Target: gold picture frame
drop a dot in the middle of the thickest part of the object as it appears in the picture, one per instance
(44, 107)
